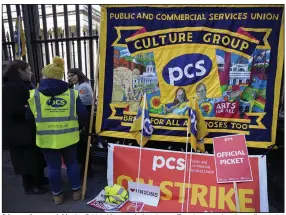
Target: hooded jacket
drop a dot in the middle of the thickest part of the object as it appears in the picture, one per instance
(54, 87)
(18, 134)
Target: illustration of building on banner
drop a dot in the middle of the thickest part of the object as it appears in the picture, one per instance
(238, 69)
(239, 74)
(133, 76)
(122, 59)
(148, 77)
(125, 71)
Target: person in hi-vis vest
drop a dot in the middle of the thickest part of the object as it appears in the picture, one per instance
(59, 115)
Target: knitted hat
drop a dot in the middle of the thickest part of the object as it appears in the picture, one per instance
(55, 70)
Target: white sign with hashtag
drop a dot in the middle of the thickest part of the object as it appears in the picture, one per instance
(148, 194)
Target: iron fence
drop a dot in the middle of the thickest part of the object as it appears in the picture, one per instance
(76, 43)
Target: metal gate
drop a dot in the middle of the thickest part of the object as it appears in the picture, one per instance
(68, 31)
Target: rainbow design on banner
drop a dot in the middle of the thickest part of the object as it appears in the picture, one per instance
(259, 104)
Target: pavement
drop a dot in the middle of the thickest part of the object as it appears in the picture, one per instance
(14, 200)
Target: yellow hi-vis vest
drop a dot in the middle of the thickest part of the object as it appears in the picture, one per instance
(116, 194)
(56, 120)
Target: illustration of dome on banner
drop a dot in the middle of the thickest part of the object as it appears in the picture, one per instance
(150, 69)
(219, 60)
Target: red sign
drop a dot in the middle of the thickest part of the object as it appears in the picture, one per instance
(231, 159)
(166, 170)
(227, 109)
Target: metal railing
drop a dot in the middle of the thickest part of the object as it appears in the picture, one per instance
(77, 43)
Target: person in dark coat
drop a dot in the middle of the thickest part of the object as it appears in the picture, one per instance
(18, 133)
(5, 64)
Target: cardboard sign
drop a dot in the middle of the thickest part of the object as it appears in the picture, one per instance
(231, 159)
(166, 169)
(148, 194)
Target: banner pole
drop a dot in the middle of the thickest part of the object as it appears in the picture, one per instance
(140, 151)
(90, 127)
(189, 179)
(236, 197)
(186, 157)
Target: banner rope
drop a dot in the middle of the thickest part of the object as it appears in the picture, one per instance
(189, 179)
(140, 151)
(186, 157)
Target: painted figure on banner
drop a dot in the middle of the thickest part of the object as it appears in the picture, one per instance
(206, 105)
(180, 103)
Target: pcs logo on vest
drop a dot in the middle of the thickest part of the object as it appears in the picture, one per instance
(187, 69)
(57, 102)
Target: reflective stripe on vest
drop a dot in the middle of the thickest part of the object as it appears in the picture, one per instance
(39, 117)
(63, 131)
(116, 198)
(120, 191)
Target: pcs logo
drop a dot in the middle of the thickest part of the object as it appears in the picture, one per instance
(187, 69)
(57, 102)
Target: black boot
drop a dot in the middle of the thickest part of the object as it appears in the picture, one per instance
(35, 191)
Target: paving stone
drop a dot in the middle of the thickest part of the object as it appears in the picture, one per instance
(16, 201)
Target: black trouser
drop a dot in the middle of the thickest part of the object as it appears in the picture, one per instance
(82, 146)
(31, 181)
